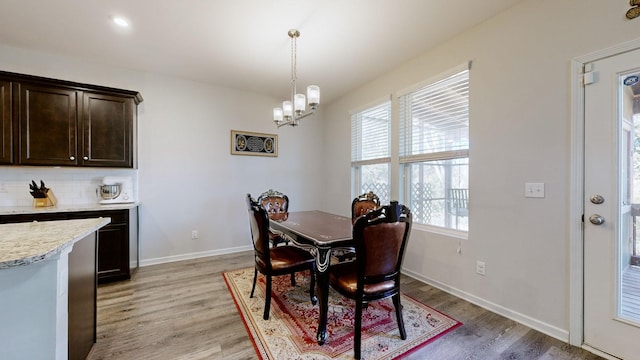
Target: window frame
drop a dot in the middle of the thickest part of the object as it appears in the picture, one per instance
(407, 160)
(356, 162)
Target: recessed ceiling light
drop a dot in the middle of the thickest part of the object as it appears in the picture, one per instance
(120, 21)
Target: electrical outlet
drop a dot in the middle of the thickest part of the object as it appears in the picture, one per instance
(194, 234)
(480, 267)
(534, 190)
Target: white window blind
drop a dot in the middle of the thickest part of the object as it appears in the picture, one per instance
(434, 120)
(370, 135)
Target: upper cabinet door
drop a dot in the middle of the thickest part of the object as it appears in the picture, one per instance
(48, 125)
(107, 124)
(6, 128)
(54, 122)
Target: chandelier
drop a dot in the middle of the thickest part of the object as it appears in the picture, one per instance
(295, 109)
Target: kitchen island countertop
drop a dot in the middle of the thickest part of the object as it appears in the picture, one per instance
(28, 243)
(14, 210)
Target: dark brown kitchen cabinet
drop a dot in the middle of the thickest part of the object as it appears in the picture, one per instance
(6, 128)
(113, 239)
(82, 302)
(107, 130)
(113, 244)
(48, 118)
(60, 123)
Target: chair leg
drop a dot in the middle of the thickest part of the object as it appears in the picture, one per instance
(312, 287)
(357, 336)
(398, 306)
(255, 276)
(293, 279)
(267, 299)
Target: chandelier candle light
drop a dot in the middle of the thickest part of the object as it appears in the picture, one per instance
(292, 111)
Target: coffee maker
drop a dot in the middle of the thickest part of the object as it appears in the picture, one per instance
(116, 190)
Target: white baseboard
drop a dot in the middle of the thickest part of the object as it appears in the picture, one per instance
(190, 256)
(553, 331)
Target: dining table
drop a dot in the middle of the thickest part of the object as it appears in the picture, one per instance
(320, 233)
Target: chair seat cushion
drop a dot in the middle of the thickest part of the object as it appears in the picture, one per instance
(286, 257)
(344, 276)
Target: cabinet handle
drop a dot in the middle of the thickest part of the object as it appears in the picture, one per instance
(85, 158)
(72, 158)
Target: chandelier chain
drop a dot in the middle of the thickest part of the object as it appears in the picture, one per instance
(294, 75)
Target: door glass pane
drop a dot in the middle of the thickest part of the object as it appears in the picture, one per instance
(629, 236)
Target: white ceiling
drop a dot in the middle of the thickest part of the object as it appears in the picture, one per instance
(243, 43)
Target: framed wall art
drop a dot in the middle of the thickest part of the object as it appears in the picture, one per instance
(251, 143)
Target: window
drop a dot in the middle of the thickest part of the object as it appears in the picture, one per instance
(434, 151)
(370, 151)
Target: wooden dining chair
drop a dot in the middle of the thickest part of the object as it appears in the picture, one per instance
(380, 239)
(360, 205)
(275, 261)
(276, 205)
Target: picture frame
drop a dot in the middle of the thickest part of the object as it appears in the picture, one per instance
(253, 143)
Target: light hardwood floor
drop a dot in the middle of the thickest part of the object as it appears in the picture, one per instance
(183, 310)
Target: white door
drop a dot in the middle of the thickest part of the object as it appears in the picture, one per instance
(612, 199)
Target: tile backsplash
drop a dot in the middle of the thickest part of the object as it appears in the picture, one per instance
(70, 186)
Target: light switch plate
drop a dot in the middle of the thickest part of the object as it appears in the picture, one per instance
(534, 190)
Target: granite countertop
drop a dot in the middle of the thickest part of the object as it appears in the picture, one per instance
(12, 210)
(28, 243)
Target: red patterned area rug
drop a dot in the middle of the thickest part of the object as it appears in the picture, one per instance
(291, 329)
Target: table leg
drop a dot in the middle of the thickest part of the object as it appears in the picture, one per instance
(323, 256)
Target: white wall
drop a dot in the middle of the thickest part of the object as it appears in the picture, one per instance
(519, 132)
(187, 178)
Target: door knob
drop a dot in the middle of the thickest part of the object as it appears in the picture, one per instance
(597, 199)
(596, 219)
(72, 158)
